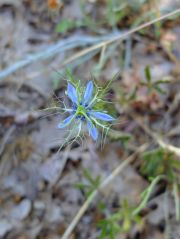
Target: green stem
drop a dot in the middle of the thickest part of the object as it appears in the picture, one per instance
(147, 194)
(176, 199)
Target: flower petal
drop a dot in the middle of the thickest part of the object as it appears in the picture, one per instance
(92, 130)
(65, 122)
(72, 94)
(88, 92)
(102, 116)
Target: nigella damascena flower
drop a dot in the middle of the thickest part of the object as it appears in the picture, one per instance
(84, 111)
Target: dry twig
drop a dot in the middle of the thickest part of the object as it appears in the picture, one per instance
(6, 138)
(120, 36)
(158, 139)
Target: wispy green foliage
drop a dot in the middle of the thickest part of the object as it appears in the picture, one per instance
(120, 221)
(153, 85)
(115, 11)
(126, 216)
(125, 98)
(123, 137)
(119, 9)
(91, 185)
(158, 161)
(147, 193)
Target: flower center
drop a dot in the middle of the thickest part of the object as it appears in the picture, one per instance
(81, 110)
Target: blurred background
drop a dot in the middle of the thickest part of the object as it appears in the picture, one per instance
(41, 188)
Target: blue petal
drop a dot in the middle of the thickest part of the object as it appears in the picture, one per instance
(65, 122)
(92, 130)
(72, 94)
(102, 116)
(88, 92)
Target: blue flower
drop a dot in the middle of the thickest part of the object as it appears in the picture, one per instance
(82, 110)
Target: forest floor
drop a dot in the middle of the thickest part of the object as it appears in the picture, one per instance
(43, 188)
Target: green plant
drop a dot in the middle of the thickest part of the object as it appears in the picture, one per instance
(118, 222)
(67, 24)
(126, 216)
(91, 185)
(153, 85)
(115, 11)
(145, 195)
(159, 161)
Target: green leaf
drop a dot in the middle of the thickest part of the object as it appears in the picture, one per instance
(65, 25)
(156, 162)
(148, 73)
(160, 90)
(119, 135)
(94, 182)
(103, 233)
(147, 194)
(132, 95)
(80, 186)
(153, 162)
